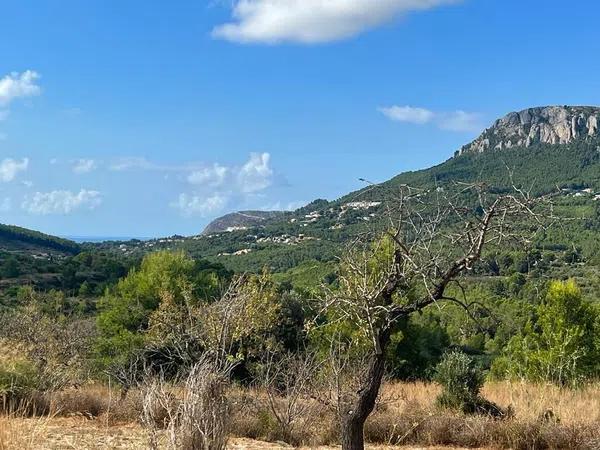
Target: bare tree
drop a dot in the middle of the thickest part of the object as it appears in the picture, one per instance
(434, 237)
(288, 383)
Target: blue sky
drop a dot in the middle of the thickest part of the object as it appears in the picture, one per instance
(142, 118)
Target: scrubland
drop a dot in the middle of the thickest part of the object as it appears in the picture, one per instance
(542, 417)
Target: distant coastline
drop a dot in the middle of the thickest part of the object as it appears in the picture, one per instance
(96, 239)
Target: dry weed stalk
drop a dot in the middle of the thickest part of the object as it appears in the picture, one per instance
(194, 416)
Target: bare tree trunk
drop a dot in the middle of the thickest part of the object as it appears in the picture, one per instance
(355, 413)
(352, 435)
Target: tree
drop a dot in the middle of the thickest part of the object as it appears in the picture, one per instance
(10, 268)
(558, 344)
(435, 236)
(125, 310)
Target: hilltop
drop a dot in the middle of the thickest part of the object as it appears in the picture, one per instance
(558, 159)
(17, 239)
(240, 220)
(541, 125)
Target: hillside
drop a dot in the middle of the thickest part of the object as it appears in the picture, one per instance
(557, 150)
(17, 239)
(240, 221)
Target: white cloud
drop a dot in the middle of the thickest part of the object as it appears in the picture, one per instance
(407, 114)
(211, 186)
(61, 202)
(198, 205)
(81, 166)
(130, 163)
(214, 176)
(17, 85)
(459, 120)
(9, 168)
(312, 21)
(256, 174)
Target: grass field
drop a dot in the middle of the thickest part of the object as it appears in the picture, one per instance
(544, 417)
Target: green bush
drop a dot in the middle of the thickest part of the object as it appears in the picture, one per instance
(18, 380)
(558, 344)
(461, 382)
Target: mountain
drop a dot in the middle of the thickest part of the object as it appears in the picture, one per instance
(542, 150)
(17, 239)
(240, 221)
(543, 125)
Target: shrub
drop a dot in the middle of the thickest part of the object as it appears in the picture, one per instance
(462, 381)
(18, 380)
(558, 344)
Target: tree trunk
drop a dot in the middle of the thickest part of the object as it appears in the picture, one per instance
(353, 434)
(355, 414)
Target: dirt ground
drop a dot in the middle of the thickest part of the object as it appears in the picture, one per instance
(83, 434)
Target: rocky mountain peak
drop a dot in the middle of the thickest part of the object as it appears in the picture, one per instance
(546, 125)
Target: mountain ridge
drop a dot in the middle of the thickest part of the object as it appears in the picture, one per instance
(543, 124)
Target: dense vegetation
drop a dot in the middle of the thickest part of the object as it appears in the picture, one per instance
(125, 310)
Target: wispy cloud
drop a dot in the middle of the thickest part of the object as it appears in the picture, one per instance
(214, 175)
(9, 168)
(80, 166)
(458, 120)
(312, 21)
(61, 202)
(408, 114)
(133, 163)
(212, 187)
(199, 205)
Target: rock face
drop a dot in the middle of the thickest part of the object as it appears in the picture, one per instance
(547, 125)
(240, 221)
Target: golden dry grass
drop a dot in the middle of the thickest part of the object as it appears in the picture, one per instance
(572, 406)
(22, 434)
(528, 401)
(93, 417)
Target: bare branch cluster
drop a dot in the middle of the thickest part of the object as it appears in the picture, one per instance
(288, 383)
(194, 416)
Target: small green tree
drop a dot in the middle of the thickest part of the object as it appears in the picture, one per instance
(558, 344)
(461, 381)
(125, 311)
(10, 268)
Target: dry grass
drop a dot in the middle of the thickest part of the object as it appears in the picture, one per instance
(94, 417)
(407, 415)
(18, 433)
(571, 406)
